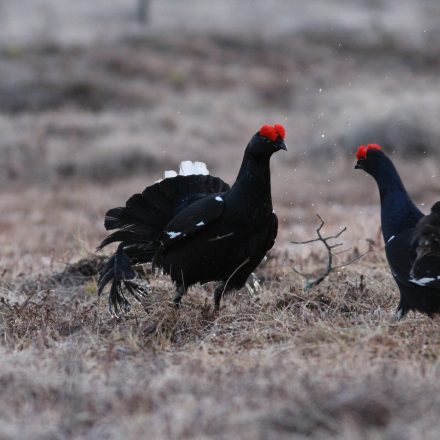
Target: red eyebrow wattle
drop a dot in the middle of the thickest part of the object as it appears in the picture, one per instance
(272, 131)
(362, 150)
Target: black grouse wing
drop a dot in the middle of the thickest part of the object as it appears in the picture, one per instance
(192, 219)
(413, 260)
(397, 250)
(425, 250)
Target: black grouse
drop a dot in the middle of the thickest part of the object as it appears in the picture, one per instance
(196, 228)
(412, 240)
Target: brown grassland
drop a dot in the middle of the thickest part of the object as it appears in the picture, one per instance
(83, 125)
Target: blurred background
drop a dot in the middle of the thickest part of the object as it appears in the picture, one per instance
(98, 98)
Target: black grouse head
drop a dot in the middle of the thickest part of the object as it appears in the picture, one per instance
(267, 141)
(370, 158)
(373, 161)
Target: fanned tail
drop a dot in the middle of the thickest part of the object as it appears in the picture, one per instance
(138, 227)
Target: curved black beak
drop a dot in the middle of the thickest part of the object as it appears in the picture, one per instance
(282, 145)
(359, 165)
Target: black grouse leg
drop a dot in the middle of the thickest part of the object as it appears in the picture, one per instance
(400, 312)
(180, 291)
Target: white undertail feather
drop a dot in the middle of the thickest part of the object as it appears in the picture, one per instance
(170, 173)
(188, 168)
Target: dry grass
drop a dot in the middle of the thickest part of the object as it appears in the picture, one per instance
(330, 362)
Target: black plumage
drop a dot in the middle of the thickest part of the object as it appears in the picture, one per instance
(196, 228)
(412, 240)
(425, 248)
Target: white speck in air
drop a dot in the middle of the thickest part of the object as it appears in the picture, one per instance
(202, 223)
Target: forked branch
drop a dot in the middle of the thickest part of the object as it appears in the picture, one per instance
(312, 281)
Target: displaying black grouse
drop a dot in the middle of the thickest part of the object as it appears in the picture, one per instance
(412, 240)
(196, 228)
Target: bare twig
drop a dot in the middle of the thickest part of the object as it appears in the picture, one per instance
(314, 281)
(233, 273)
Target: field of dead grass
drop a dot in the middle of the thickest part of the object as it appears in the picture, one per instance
(329, 362)
(280, 363)
(85, 124)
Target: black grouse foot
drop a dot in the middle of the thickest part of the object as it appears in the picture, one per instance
(180, 291)
(400, 313)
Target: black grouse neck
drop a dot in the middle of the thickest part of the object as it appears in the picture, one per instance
(254, 177)
(398, 211)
